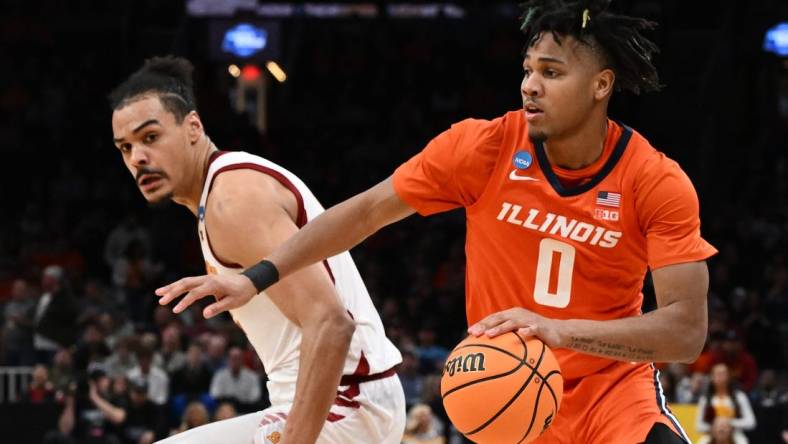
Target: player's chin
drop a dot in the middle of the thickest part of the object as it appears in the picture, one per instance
(537, 134)
(159, 196)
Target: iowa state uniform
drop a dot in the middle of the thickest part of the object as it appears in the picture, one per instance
(567, 244)
(370, 404)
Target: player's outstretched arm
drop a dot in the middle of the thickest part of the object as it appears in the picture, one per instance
(339, 229)
(342, 227)
(247, 216)
(675, 331)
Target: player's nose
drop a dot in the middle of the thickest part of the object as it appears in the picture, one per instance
(530, 86)
(139, 156)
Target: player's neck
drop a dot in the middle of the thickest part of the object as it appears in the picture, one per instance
(579, 148)
(190, 198)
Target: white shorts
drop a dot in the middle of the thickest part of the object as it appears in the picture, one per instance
(372, 414)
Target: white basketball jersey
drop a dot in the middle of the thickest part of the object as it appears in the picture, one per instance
(277, 340)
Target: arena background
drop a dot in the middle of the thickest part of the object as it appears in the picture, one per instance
(367, 85)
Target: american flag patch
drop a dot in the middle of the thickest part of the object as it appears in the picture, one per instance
(608, 199)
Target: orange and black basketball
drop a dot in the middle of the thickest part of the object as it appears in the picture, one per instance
(502, 390)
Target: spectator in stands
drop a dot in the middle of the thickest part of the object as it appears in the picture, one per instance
(18, 331)
(431, 395)
(691, 388)
(195, 415)
(91, 348)
(88, 414)
(770, 403)
(156, 380)
(62, 373)
(119, 389)
(722, 432)
(173, 357)
(122, 360)
(54, 315)
(431, 355)
(40, 389)
(741, 364)
(412, 381)
(133, 274)
(144, 420)
(194, 379)
(712, 348)
(94, 301)
(226, 410)
(115, 326)
(217, 349)
(235, 382)
(423, 427)
(150, 341)
(724, 400)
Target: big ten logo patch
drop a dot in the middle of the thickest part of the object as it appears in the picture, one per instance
(472, 362)
(274, 437)
(603, 214)
(210, 268)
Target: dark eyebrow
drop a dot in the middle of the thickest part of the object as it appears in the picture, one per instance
(549, 59)
(139, 128)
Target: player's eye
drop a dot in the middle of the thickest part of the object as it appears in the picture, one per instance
(125, 148)
(550, 73)
(151, 137)
(526, 72)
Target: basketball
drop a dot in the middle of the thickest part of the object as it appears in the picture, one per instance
(501, 390)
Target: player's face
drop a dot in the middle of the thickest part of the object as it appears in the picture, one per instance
(154, 147)
(560, 86)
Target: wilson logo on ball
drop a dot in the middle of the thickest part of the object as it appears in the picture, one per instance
(472, 362)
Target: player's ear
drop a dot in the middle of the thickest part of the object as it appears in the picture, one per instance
(603, 83)
(194, 126)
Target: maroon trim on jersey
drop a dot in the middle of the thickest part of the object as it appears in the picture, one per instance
(333, 417)
(347, 397)
(271, 418)
(211, 159)
(362, 369)
(215, 155)
(301, 217)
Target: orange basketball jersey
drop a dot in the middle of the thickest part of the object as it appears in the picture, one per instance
(563, 252)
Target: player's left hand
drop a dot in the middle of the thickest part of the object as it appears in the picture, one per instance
(525, 322)
(231, 291)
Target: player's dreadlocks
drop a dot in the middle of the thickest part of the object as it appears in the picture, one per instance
(618, 38)
(168, 77)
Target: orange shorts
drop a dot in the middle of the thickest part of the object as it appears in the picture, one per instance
(617, 405)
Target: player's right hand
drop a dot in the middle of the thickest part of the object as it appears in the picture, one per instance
(231, 291)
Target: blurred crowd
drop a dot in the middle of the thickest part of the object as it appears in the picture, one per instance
(80, 254)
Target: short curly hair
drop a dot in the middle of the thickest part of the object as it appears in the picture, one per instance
(618, 38)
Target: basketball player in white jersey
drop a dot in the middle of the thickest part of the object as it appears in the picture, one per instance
(329, 363)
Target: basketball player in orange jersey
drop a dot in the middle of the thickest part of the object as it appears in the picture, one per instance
(330, 367)
(566, 211)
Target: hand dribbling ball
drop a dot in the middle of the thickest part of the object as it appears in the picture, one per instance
(501, 390)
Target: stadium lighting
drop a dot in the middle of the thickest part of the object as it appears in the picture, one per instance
(234, 70)
(276, 71)
(776, 40)
(250, 73)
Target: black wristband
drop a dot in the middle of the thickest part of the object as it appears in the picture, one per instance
(263, 275)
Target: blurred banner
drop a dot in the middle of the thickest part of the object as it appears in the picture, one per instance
(686, 414)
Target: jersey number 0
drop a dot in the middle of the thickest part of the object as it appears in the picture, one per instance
(558, 274)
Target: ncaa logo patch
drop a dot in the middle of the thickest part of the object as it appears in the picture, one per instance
(522, 160)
